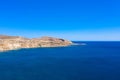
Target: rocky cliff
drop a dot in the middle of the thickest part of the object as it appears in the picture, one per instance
(16, 42)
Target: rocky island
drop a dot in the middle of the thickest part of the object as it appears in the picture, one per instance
(17, 42)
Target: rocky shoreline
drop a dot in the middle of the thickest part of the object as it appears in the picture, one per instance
(16, 42)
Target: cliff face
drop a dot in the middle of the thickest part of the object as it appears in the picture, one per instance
(16, 42)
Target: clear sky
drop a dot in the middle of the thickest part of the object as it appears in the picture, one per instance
(69, 19)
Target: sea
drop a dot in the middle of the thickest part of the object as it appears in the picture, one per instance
(94, 61)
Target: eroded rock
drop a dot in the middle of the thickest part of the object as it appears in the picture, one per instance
(16, 42)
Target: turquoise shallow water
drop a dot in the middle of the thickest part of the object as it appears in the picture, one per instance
(94, 61)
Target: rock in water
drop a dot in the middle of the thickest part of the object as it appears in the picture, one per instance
(16, 42)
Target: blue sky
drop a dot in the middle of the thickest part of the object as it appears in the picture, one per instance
(94, 20)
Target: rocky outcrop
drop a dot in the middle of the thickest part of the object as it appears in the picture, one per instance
(16, 42)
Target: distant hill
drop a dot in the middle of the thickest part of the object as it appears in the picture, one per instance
(17, 42)
(11, 37)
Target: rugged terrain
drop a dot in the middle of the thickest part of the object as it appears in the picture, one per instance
(17, 42)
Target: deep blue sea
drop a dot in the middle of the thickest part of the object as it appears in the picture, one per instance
(94, 61)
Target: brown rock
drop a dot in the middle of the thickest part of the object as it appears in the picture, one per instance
(16, 42)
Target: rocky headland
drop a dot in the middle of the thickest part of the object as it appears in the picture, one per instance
(17, 42)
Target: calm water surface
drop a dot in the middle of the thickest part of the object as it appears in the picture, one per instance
(94, 61)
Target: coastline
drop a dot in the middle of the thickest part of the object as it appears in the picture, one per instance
(16, 42)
